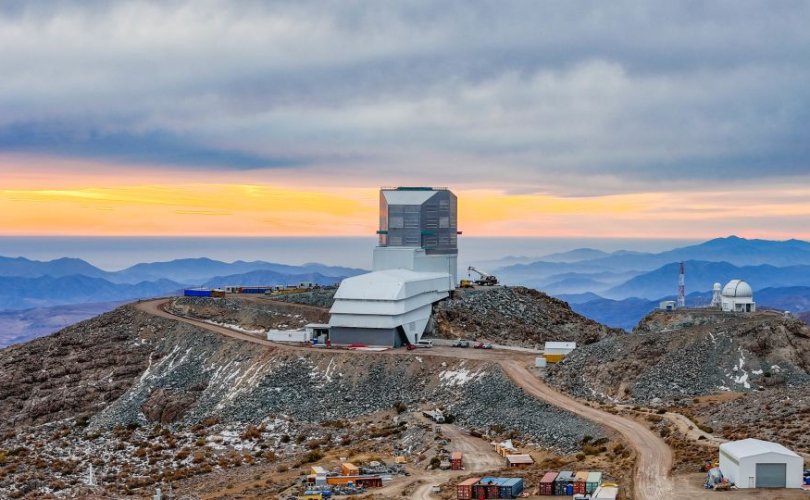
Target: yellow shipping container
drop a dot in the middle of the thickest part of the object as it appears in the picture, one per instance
(554, 358)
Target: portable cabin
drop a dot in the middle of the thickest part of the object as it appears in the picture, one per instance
(464, 488)
(555, 352)
(510, 487)
(519, 460)
(564, 478)
(547, 483)
(594, 481)
(580, 481)
(349, 469)
(456, 461)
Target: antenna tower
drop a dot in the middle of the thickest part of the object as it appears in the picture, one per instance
(681, 289)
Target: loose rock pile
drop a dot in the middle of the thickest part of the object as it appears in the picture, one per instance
(515, 315)
(318, 298)
(735, 353)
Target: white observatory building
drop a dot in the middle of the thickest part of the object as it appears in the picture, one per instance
(737, 296)
(415, 265)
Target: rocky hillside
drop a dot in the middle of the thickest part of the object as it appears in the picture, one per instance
(691, 353)
(805, 316)
(257, 314)
(514, 315)
(147, 399)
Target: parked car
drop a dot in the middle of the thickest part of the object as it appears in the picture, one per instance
(461, 343)
(481, 345)
(424, 343)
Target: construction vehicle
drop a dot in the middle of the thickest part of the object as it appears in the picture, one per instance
(466, 284)
(486, 279)
(435, 415)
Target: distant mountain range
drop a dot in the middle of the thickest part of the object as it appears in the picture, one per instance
(21, 326)
(626, 313)
(28, 283)
(626, 274)
(702, 275)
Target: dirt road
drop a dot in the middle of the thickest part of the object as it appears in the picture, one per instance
(479, 456)
(654, 457)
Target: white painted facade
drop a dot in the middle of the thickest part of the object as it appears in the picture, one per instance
(416, 259)
(739, 459)
(389, 299)
(737, 296)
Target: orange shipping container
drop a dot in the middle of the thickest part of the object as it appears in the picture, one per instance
(349, 469)
(464, 488)
(580, 482)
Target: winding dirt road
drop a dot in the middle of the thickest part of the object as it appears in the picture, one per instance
(654, 457)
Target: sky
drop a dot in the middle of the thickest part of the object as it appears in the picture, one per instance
(622, 119)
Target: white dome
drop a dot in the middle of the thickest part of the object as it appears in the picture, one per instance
(717, 287)
(737, 288)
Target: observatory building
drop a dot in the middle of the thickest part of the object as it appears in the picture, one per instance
(737, 296)
(415, 265)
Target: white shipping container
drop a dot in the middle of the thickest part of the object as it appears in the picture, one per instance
(540, 362)
(288, 336)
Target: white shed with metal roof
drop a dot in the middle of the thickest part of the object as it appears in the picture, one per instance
(753, 463)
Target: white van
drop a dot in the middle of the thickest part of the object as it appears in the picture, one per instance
(424, 343)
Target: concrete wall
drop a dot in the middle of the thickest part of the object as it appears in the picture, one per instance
(368, 336)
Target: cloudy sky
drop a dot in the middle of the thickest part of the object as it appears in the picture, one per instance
(567, 118)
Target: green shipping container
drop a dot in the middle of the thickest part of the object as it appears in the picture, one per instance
(593, 482)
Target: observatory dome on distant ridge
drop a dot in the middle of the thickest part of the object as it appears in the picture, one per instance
(738, 297)
(737, 288)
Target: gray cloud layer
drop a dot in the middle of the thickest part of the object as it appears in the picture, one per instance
(564, 97)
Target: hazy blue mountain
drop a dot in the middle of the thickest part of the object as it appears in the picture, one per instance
(200, 270)
(25, 293)
(21, 326)
(22, 267)
(575, 255)
(574, 284)
(271, 278)
(578, 298)
(734, 250)
(702, 275)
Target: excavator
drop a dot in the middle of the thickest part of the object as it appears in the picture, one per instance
(486, 279)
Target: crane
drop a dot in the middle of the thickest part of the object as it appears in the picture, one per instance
(486, 279)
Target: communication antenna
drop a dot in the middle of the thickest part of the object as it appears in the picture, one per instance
(681, 289)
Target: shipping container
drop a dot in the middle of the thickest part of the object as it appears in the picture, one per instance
(580, 481)
(218, 293)
(349, 469)
(197, 292)
(456, 462)
(510, 487)
(564, 478)
(547, 483)
(254, 289)
(486, 488)
(464, 488)
(605, 493)
(594, 480)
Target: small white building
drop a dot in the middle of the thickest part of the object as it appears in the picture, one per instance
(752, 463)
(737, 296)
(667, 305)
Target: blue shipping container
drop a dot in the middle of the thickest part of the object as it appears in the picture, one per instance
(511, 487)
(197, 292)
(255, 289)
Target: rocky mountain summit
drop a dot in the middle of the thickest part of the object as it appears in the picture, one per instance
(690, 353)
(146, 399)
(514, 315)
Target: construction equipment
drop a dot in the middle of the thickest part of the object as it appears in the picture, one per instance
(435, 415)
(466, 284)
(486, 279)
